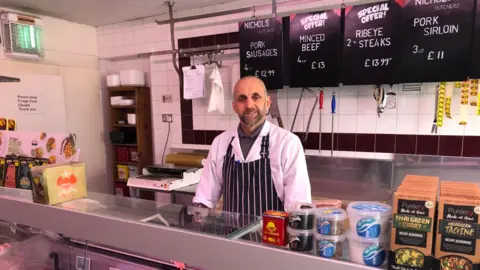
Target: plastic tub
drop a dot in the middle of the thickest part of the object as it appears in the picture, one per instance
(330, 246)
(331, 221)
(300, 240)
(301, 216)
(371, 252)
(369, 219)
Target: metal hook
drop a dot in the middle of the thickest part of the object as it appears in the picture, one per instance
(254, 11)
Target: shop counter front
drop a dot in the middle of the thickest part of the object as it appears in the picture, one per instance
(169, 234)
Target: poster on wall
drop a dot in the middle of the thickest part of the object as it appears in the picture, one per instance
(436, 39)
(261, 50)
(475, 60)
(314, 51)
(370, 53)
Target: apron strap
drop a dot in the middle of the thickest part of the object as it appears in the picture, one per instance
(229, 149)
(265, 150)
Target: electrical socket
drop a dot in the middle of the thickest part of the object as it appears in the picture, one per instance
(167, 118)
(167, 98)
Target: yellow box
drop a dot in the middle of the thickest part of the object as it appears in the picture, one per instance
(57, 183)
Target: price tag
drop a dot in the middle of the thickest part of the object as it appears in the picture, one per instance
(315, 48)
(261, 48)
(436, 38)
(369, 44)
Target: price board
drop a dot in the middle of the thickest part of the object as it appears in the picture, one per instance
(436, 39)
(370, 51)
(315, 43)
(261, 49)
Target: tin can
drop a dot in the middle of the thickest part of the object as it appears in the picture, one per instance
(275, 228)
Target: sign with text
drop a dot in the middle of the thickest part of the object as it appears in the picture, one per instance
(370, 55)
(261, 49)
(30, 103)
(436, 39)
(315, 48)
(475, 60)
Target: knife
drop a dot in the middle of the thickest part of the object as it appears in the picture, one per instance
(274, 110)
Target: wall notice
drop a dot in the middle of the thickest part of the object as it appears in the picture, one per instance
(29, 103)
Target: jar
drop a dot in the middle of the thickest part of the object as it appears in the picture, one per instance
(330, 246)
(369, 219)
(301, 216)
(300, 240)
(331, 221)
(371, 252)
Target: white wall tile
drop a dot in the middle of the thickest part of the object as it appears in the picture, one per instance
(407, 104)
(426, 104)
(366, 155)
(425, 122)
(365, 90)
(387, 124)
(159, 78)
(348, 90)
(407, 124)
(347, 123)
(314, 122)
(211, 122)
(367, 123)
(199, 121)
(224, 122)
(347, 105)
(473, 126)
(158, 91)
(366, 105)
(451, 126)
(299, 127)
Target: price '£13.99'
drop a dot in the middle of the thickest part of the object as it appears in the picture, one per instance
(377, 62)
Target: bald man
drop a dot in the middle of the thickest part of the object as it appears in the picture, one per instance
(257, 166)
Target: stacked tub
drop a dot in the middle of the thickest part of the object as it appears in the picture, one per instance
(330, 232)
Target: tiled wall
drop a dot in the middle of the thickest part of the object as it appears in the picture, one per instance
(358, 131)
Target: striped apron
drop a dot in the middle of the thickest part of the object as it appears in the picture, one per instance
(248, 188)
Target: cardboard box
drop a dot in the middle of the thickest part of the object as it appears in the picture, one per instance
(57, 183)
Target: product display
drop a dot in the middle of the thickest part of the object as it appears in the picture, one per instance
(123, 172)
(24, 175)
(300, 240)
(11, 166)
(414, 206)
(275, 228)
(329, 246)
(369, 219)
(371, 252)
(301, 216)
(331, 221)
(54, 184)
(2, 171)
(329, 203)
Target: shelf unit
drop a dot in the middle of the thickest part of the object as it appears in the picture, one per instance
(140, 133)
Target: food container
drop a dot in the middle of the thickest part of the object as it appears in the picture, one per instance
(131, 119)
(114, 101)
(275, 228)
(122, 154)
(300, 240)
(330, 246)
(133, 154)
(113, 80)
(369, 219)
(331, 221)
(53, 184)
(126, 102)
(371, 252)
(122, 190)
(123, 172)
(132, 77)
(132, 171)
(301, 216)
(329, 203)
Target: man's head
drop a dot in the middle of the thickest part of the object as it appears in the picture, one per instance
(250, 101)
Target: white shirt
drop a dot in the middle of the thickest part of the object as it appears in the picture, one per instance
(287, 161)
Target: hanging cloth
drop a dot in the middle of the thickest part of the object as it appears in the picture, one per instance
(217, 96)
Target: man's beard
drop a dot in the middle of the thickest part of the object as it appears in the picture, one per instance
(254, 121)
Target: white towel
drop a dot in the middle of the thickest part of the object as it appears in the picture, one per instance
(235, 75)
(217, 96)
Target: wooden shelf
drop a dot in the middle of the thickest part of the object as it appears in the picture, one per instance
(125, 144)
(121, 180)
(126, 88)
(126, 163)
(124, 107)
(124, 126)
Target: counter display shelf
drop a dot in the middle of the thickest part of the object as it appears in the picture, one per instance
(200, 238)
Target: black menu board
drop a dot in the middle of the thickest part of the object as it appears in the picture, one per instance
(369, 44)
(315, 48)
(261, 48)
(475, 60)
(436, 36)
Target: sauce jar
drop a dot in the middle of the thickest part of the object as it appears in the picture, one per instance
(331, 221)
(330, 246)
(300, 240)
(301, 216)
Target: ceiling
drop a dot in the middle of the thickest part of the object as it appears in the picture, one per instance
(103, 12)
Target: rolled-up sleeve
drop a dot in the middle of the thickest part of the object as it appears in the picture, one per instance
(209, 189)
(296, 181)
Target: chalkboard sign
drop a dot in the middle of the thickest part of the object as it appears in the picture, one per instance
(475, 60)
(315, 48)
(370, 55)
(436, 39)
(261, 49)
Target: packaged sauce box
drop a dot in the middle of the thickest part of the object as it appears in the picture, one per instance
(275, 228)
(2, 171)
(24, 174)
(11, 166)
(411, 239)
(57, 183)
(458, 233)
